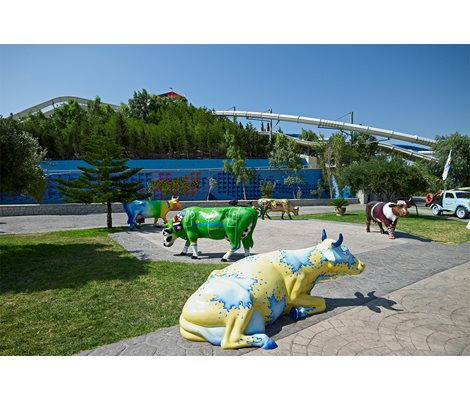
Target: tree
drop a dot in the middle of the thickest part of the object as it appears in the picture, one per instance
(238, 167)
(108, 179)
(385, 176)
(20, 156)
(139, 105)
(319, 190)
(308, 135)
(459, 173)
(285, 157)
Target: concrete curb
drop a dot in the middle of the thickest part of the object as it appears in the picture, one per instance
(16, 210)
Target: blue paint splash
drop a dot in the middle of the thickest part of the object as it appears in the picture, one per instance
(233, 291)
(338, 255)
(296, 259)
(276, 307)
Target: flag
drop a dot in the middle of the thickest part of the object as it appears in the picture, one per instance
(447, 166)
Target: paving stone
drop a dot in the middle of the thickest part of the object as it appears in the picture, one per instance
(141, 349)
(455, 347)
(108, 350)
(301, 340)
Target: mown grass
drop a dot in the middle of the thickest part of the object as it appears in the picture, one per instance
(424, 226)
(64, 292)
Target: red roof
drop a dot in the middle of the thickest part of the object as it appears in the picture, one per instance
(173, 95)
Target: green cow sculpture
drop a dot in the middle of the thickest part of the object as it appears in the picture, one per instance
(235, 224)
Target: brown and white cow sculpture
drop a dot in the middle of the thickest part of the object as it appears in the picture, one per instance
(387, 214)
(285, 206)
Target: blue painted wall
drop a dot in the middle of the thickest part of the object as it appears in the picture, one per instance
(187, 178)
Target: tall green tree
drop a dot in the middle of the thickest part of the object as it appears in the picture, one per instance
(459, 173)
(385, 176)
(106, 181)
(237, 167)
(285, 157)
(20, 156)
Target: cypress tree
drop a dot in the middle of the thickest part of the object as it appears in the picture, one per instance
(106, 181)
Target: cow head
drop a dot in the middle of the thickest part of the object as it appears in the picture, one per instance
(169, 235)
(337, 257)
(400, 208)
(296, 210)
(175, 204)
(173, 229)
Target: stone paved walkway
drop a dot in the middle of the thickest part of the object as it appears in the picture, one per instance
(431, 317)
(374, 294)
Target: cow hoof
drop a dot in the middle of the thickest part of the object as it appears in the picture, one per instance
(194, 257)
(223, 260)
(294, 314)
(269, 345)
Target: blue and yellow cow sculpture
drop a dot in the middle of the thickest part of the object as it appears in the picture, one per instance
(149, 209)
(232, 308)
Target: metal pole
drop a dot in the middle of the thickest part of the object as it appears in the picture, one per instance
(270, 127)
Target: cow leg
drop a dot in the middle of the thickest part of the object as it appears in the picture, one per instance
(305, 305)
(282, 214)
(185, 248)
(390, 230)
(194, 250)
(229, 253)
(381, 227)
(290, 217)
(368, 216)
(248, 243)
(236, 323)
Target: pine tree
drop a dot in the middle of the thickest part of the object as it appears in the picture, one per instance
(108, 179)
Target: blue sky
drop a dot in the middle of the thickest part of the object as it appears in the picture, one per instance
(416, 89)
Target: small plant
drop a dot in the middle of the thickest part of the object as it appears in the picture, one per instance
(339, 204)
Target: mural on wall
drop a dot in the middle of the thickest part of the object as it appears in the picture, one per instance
(165, 185)
(191, 184)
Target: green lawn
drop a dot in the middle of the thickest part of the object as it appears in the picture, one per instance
(64, 292)
(424, 226)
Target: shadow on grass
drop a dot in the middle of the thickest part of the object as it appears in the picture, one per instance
(45, 266)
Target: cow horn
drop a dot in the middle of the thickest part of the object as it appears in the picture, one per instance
(338, 242)
(323, 235)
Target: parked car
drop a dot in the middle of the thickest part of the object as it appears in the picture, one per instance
(454, 201)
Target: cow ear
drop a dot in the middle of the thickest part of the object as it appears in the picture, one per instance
(323, 235)
(392, 205)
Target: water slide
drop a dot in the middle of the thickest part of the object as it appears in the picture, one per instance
(325, 123)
